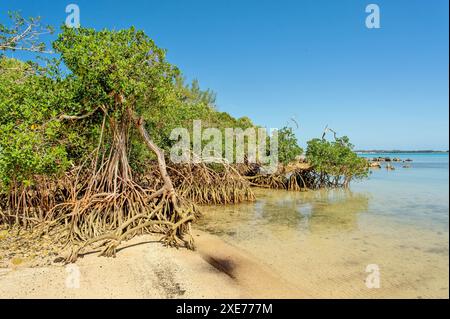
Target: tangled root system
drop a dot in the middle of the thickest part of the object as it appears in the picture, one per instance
(293, 180)
(102, 202)
(218, 183)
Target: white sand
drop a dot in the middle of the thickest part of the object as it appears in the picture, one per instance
(146, 269)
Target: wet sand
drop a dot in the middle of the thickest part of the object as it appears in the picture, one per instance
(323, 242)
(254, 277)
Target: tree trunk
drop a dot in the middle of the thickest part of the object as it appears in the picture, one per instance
(140, 125)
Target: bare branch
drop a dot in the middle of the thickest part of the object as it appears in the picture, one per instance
(23, 35)
(77, 117)
(326, 130)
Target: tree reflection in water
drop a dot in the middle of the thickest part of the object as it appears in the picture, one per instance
(277, 211)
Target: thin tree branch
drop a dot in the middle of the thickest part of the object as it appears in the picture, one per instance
(77, 117)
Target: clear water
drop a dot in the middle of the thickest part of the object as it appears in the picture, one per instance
(323, 241)
(418, 195)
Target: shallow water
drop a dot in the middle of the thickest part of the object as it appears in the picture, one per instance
(323, 241)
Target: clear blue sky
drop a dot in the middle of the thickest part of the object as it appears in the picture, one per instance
(312, 60)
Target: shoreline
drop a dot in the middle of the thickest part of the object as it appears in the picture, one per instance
(400, 152)
(329, 264)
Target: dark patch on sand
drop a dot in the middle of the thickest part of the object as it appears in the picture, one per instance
(225, 265)
(438, 251)
(167, 281)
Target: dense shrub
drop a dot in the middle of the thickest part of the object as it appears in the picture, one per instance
(335, 161)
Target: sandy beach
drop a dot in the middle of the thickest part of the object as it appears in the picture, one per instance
(144, 268)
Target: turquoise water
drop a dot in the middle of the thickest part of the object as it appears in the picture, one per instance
(416, 195)
(322, 241)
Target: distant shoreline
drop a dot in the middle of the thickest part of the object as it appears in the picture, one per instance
(398, 152)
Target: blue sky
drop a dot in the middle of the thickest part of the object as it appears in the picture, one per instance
(314, 61)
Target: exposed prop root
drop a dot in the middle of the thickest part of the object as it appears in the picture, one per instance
(297, 180)
(101, 200)
(290, 177)
(201, 183)
(175, 234)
